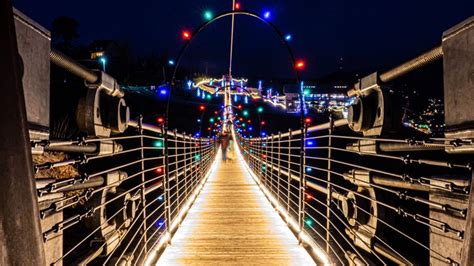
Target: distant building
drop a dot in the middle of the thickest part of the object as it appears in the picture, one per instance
(103, 48)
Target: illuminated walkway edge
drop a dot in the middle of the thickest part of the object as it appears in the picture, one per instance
(232, 222)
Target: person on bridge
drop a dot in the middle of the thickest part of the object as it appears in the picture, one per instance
(224, 139)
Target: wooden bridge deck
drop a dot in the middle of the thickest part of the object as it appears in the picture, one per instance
(232, 222)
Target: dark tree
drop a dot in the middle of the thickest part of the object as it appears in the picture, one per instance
(64, 31)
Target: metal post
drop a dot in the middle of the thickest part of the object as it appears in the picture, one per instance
(200, 159)
(176, 152)
(166, 185)
(279, 165)
(302, 183)
(289, 173)
(20, 236)
(143, 198)
(329, 188)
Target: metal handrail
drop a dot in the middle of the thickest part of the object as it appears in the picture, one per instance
(351, 185)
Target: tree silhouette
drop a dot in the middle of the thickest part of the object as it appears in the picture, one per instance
(64, 31)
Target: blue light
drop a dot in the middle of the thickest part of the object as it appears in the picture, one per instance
(171, 62)
(199, 120)
(198, 92)
(288, 37)
(197, 134)
(160, 198)
(163, 92)
(263, 134)
(160, 223)
(190, 83)
(267, 14)
(309, 143)
(250, 128)
(235, 98)
(203, 95)
(246, 100)
(308, 169)
(102, 60)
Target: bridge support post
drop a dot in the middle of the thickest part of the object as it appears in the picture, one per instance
(458, 78)
(20, 235)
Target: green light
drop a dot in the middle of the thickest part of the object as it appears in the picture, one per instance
(211, 120)
(264, 168)
(308, 222)
(218, 118)
(245, 113)
(306, 92)
(158, 144)
(260, 109)
(208, 97)
(207, 15)
(196, 157)
(244, 125)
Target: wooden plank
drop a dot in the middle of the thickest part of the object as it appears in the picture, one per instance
(232, 223)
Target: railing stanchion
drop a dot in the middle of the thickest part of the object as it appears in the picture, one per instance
(302, 184)
(166, 186)
(142, 169)
(279, 164)
(289, 175)
(329, 188)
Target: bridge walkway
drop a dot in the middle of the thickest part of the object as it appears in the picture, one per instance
(232, 222)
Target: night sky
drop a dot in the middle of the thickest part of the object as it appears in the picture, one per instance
(366, 35)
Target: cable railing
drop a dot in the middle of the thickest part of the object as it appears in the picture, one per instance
(122, 196)
(366, 200)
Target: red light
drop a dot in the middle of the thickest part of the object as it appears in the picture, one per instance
(262, 123)
(249, 121)
(202, 107)
(160, 120)
(264, 156)
(239, 106)
(209, 128)
(309, 197)
(159, 170)
(186, 35)
(240, 119)
(307, 120)
(237, 6)
(300, 64)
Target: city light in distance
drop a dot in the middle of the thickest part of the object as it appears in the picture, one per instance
(186, 35)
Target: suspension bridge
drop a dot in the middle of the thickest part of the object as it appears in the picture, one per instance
(349, 191)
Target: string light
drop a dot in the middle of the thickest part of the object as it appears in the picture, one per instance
(207, 15)
(186, 35)
(300, 65)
